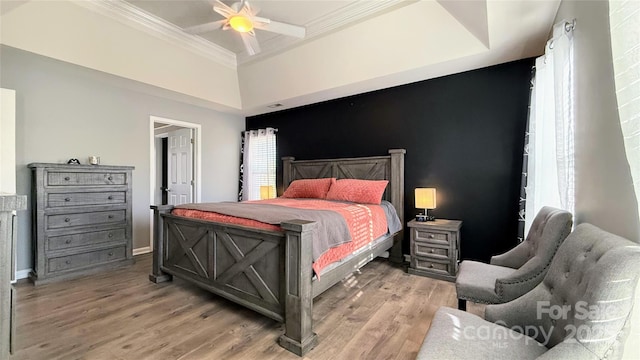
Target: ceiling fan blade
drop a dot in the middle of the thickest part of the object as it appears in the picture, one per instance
(251, 43)
(203, 28)
(279, 27)
(222, 9)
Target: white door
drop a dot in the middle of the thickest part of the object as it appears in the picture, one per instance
(180, 167)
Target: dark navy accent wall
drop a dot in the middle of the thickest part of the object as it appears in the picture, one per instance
(463, 133)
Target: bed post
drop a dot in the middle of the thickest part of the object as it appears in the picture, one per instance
(298, 337)
(286, 171)
(157, 275)
(397, 199)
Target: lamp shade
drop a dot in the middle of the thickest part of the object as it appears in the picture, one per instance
(267, 192)
(425, 198)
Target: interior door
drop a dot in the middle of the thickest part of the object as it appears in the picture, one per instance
(180, 167)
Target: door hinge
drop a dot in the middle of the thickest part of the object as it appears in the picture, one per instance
(192, 182)
(192, 141)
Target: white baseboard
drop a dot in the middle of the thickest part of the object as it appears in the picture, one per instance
(22, 274)
(140, 251)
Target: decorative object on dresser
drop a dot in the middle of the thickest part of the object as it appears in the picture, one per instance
(8, 204)
(434, 248)
(81, 219)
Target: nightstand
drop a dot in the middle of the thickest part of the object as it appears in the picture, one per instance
(435, 248)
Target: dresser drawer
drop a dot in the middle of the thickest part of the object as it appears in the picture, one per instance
(427, 264)
(86, 239)
(86, 259)
(85, 198)
(431, 236)
(87, 218)
(55, 178)
(424, 249)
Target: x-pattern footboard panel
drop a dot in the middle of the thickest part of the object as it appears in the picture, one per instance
(243, 264)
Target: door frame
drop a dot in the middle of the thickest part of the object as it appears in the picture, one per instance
(197, 164)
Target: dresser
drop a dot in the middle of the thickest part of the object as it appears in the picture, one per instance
(81, 219)
(8, 204)
(435, 248)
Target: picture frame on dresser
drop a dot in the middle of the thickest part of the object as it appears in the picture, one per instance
(82, 219)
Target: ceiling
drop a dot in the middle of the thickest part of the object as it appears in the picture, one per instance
(351, 46)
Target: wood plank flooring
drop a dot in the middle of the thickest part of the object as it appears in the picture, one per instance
(380, 312)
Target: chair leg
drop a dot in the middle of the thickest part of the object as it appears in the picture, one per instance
(462, 305)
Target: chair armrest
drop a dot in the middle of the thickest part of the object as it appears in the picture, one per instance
(513, 258)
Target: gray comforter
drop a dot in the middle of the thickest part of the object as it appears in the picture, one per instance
(331, 229)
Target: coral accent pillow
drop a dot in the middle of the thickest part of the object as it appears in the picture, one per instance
(359, 191)
(309, 188)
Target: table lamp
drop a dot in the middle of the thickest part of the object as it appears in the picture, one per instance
(425, 199)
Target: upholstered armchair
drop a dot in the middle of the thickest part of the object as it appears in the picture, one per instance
(581, 309)
(519, 270)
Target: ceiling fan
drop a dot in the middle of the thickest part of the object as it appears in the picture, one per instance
(241, 17)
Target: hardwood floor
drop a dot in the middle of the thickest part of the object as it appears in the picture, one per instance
(379, 313)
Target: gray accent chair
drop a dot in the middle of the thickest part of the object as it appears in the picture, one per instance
(519, 270)
(581, 309)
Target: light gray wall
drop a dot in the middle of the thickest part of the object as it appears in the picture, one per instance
(66, 111)
(604, 190)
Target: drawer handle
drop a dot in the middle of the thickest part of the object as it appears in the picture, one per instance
(67, 219)
(431, 236)
(110, 216)
(68, 262)
(68, 241)
(110, 235)
(110, 178)
(67, 199)
(111, 254)
(67, 178)
(432, 251)
(431, 266)
(110, 197)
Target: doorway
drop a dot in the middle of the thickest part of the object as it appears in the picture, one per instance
(175, 176)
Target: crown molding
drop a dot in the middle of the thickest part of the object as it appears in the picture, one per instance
(130, 15)
(347, 15)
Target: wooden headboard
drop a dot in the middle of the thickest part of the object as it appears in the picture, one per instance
(390, 167)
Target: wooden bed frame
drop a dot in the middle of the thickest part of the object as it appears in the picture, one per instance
(270, 271)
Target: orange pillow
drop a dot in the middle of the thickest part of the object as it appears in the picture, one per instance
(309, 188)
(359, 191)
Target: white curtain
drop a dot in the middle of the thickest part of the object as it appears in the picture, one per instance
(624, 19)
(550, 172)
(259, 162)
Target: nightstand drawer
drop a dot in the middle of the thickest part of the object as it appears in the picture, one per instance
(86, 259)
(86, 239)
(87, 218)
(431, 236)
(85, 198)
(423, 249)
(55, 178)
(427, 264)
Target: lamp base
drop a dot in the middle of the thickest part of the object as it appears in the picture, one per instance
(423, 218)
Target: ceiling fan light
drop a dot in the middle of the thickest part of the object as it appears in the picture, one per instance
(240, 23)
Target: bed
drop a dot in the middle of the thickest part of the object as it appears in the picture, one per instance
(270, 271)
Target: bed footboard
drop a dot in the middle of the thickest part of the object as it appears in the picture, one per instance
(267, 271)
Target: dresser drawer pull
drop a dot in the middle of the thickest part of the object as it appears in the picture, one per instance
(67, 199)
(111, 254)
(110, 235)
(110, 178)
(431, 266)
(67, 219)
(432, 251)
(68, 241)
(110, 216)
(67, 178)
(68, 262)
(110, 197)
(431, 236)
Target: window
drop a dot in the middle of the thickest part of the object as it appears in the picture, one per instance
(259, 162)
